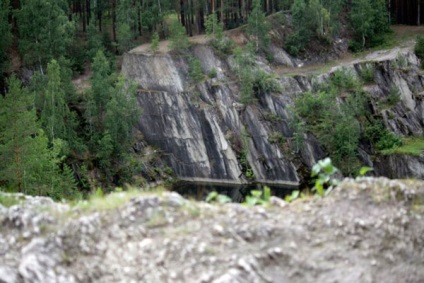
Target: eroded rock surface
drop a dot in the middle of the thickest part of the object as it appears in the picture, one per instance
(203, 130)
(370, 230)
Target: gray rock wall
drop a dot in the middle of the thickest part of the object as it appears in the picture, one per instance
(203, 128)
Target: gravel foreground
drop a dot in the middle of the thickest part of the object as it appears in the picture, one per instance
(368, 230)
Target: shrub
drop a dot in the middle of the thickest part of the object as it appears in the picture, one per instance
(264, 83)
(368, 74)
(382, 139)
(419, 49)
(195, 69)
(344, 79)
(355, 46)
(394, 97)
(212, 73)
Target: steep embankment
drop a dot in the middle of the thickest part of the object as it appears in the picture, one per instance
(366, 231)
(205, 133)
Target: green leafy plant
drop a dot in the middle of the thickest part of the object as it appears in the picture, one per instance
(293, 196)
(258, 197)
(368, 74)
(154, 45)
(364, 170)
(419, 49)
(323, 173)
(8, 200)
(195, 69)
(212, 73)
(214, 197)
(394, 97)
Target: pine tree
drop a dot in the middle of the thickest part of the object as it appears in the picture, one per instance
(55, 111)
(44, 31)
(154, 46)
(127, 22)
(257, 26)
(28, 165)
(6, 35)
(178, 37)
(94, 41)
(101, 89)
(214, 28)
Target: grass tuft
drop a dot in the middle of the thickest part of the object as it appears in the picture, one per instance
(410, 146)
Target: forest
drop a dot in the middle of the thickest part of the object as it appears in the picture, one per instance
(60, 142)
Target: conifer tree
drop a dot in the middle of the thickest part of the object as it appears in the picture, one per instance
(178, 37)
(6, 35)
(55, 111)
(257, 26)
(127, 22)
(28, 164)
(154, 45)
(44, 31)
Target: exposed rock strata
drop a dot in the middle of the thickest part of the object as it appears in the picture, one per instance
(202, 128)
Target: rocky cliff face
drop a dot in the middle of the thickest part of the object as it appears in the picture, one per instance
(367, 231)
(203, 129)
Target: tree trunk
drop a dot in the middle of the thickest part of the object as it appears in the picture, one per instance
(84, 17)
(222, 12)
(114, 20)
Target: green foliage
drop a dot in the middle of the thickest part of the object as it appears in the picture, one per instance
(94, 41)
(29, 164)
(8, 200)
(323, 171)
(124, 37)
(111, 115)
(55, 111)
(419, 49)
(335, 124)
(344, 80)
(382, 139)
(214, 29)
(293, 196)
(394, 97)
(154, 45)
(408, 146)
(178, 37)
(276, 138)
(258, 26)
(264, 82)
(195, 71)
(6, 35)
(368, 73)
(212, 73)
(246, 168)
(214, 197)
(126, 22)
(364, 170)
(258, 197)
(369, 19)
(44, 30)
(312, 19)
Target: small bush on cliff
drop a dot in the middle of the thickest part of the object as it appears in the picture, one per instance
(368, 74)
(195, 69)
(419, 49)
